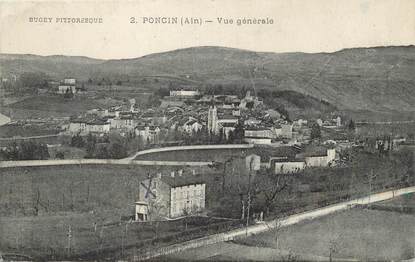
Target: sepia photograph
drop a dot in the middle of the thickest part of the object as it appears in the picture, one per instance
(233, 130)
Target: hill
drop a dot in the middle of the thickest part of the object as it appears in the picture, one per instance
(371, 79)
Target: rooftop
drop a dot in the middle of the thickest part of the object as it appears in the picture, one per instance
(183, 180)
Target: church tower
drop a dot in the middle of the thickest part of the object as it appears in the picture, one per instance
(213, 120)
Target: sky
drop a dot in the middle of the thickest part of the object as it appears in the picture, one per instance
(298, 26)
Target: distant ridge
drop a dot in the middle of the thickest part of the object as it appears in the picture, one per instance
(368, 78)
(15, 55)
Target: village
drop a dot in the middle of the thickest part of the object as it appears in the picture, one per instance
(187, 116)
(238, 161)
(207, 131)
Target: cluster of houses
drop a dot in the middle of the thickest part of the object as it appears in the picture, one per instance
(218, 115)
(100, 122)
(287, 165)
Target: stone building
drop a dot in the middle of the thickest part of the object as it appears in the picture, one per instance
(171, 196)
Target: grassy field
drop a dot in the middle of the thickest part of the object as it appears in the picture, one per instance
(398, 129)
(50, 105)
(72, 187)
(358, 234)
(104, 193)
(78, 196)
(219, 155)
(407, 200)
(24, 131)
(46, 237)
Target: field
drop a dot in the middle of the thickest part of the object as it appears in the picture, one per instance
(357, 234)
(97, 235)
(73, 188)
(7, 131)
(397, 129)
(219, 155)
(44, 106)
(38, 204)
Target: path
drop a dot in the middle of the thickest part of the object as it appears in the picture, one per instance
(195, 147)
(27, 163)
(26, 137)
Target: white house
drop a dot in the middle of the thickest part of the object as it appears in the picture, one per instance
(84, 126)
(98, 126)
(62, 89)
(191, 126)
(148, 134)
(69, 81)
(259, 132)
(77, 126)
(125, 122)
(184, 93)
(170, 196)
(321, 160)
(258, 135)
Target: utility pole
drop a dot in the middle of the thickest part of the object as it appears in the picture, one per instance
(249, 195)
(69, 235)
(124, 236)
(371, 177)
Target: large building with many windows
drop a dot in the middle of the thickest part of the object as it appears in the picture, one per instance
(170, 196)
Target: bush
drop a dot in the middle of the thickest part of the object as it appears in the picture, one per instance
(60, 155)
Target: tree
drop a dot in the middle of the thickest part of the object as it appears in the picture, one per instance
(238, 133)
(90, 145)
(29, 150)
(102, 152)
(271, 186)
(315, 131)
(117, 150)
(68, 93)
(60, 155)
(25, 150)
(351, 126)
(153, 101)
(77, 141)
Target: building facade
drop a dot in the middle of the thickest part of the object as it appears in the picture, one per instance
(213, 120)
(166, 197)
(184, 93)
(148, 134)
(288, 167)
